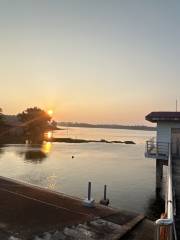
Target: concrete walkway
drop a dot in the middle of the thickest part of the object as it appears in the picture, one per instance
(176, 182)
(26, 211)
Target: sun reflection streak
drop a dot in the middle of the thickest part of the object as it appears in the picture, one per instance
(46, 147)
(48, 135)
(52, 181)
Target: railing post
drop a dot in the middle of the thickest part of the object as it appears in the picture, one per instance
(171, 232)
(157, 232)
(165, 226)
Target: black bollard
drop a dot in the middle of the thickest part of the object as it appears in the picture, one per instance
(89, 202)
(105, 201)
(89, 191)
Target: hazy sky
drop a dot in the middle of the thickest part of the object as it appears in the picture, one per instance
(109, 61)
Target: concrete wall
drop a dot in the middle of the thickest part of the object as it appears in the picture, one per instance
(164, 131)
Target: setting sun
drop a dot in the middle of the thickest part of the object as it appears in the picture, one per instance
(50, 112)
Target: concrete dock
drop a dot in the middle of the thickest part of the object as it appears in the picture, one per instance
(30, 212)
(176, 180)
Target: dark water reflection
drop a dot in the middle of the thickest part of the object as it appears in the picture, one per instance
(33, 154)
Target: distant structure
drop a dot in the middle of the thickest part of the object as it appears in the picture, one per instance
(166, 150)
(168, 132)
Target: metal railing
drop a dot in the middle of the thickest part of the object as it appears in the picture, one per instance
(157, 149)
(166, 226)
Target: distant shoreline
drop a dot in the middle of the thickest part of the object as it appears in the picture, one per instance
(106, 126)
(72, 140)
(63, 140)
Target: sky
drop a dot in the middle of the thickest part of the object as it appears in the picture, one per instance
(96, 61)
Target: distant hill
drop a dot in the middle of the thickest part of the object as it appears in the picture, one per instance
(112, 126)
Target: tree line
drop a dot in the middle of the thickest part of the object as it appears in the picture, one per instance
(32, 125)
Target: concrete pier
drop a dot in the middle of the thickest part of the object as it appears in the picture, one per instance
(159, 175)
(176, 179)
(27, 211)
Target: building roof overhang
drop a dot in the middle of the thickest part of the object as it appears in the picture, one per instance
(163, 116)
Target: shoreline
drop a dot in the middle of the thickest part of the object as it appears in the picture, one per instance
(106, 126)
(65, 140)
(73, 140)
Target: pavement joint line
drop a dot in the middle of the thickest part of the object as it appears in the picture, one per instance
(45, 203)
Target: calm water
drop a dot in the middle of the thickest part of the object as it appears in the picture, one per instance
(129, 176)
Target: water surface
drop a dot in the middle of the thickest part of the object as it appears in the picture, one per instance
(129, 176)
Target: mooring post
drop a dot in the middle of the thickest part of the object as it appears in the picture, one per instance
(89, 191)
(105, 201)
(89, 202)
(105, 190)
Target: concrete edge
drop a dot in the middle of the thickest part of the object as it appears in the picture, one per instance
(129, 226)
(54, 192)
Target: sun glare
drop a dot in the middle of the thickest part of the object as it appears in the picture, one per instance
(49, 135)
(46, 147)
(50, 112)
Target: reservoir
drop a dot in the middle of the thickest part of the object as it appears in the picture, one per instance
(129, 176)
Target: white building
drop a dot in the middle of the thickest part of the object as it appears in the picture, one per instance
(168, 132)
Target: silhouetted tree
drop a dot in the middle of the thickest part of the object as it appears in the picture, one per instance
(54, 124)
(35, 123)
(0, 113)
(2, 123)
